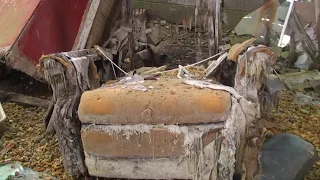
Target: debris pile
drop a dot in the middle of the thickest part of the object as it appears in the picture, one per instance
(25, 141)
(301, 120)
(148, 51)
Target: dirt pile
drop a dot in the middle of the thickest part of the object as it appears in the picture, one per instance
(303, 121)
(25, 131)
(39, 152)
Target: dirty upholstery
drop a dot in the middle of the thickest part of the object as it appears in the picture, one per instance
(138, 129)
(165, 102)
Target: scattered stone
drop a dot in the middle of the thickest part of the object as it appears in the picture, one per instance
(304, 61)
(287, 157)
(14, 170)
(302, 99)
(163, 22)
(40, 156)
(301, 80)
(274, 84)
(299, 48)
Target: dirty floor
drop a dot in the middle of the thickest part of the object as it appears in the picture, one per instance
(35, 150)
(303, 121)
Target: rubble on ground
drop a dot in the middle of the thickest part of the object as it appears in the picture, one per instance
(283, 151)
(170, 55)
(302, 121)
(30, 146)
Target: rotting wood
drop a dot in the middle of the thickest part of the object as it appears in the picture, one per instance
(317, 6)
(215, 64)
(211, 27)
(153, 36)
(67, 88)
(159, 69)
(46, 120)
(98, 48)
(24, 100)
(106, 18)
(218, 24)
(194, 64)
(296, 26)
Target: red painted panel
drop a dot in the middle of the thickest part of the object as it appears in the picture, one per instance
(53, 28)
(14, 14)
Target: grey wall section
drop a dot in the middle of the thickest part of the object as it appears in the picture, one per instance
(174, 10)
(235, 5)
(243, 5)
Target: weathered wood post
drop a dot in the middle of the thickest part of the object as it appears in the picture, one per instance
(317, 7)
(214, 25)
(68, 83)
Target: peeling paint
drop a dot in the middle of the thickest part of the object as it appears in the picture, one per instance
(37, 28)
(4, 51)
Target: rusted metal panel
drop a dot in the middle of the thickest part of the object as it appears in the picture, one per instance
(52, 28)
(14, 14)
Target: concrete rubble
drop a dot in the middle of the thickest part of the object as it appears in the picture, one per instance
(287, 157)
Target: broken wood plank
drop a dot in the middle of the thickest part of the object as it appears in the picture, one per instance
(24, 100)
(192, 65)
(211, 27)
(100, 50)
(153, 36)
(86, 25)
(218, 24)
(159, 69)
(215, 64)
(308, 45)
(182, 72)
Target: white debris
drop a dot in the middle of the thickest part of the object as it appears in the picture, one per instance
(140, 88)
(125, 130)
(304, 61)
(203, 84)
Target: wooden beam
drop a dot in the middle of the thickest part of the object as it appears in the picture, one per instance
(24, 100)
(86, 25)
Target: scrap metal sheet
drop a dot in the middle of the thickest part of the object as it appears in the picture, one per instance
(14, 14)
(52, 28)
